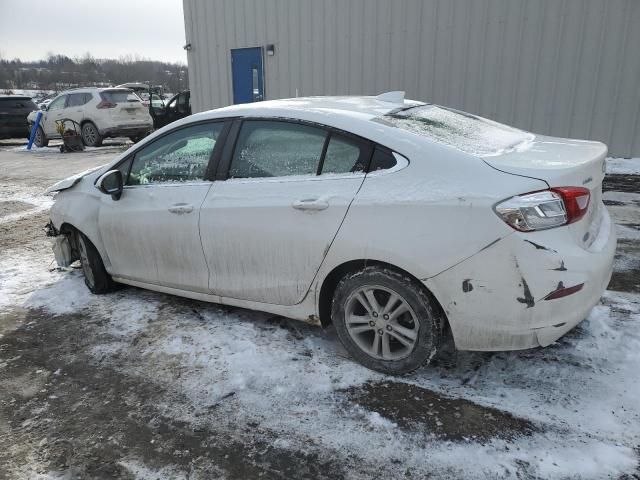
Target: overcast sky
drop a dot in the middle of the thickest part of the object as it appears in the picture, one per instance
(29, 29)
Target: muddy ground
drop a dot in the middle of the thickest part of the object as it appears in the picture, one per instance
(144, 385)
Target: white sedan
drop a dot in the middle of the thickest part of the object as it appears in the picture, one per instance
(399, 222)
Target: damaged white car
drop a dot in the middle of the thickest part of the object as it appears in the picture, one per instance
(398, 222)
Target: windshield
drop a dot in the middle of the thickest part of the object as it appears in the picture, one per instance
(469, 133)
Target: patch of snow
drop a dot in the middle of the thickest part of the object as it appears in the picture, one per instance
(140, 471)
(623, 166)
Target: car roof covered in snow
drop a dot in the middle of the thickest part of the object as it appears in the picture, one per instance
(361, 107)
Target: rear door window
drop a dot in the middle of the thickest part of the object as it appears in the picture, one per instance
(270, 148)
(344, 155)
(78, 99)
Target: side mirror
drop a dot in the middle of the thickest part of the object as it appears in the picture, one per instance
(111, 183)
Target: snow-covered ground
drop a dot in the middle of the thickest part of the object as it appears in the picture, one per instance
(268, 384)
(623, 166)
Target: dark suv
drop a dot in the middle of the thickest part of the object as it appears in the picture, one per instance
(178, 107)
(13, 116)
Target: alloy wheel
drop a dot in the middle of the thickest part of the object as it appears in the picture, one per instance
(381, 322)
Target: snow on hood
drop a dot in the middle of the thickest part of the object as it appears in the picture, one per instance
(71, 181)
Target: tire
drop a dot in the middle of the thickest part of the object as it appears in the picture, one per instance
(96, 277)
(40, 139)
(90, 135)
(410, 332)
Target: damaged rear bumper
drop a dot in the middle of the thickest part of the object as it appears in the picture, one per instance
(502, 297)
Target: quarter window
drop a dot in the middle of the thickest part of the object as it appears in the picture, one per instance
(181, 156)
(276, 149)
(383, 159)
(343, 156)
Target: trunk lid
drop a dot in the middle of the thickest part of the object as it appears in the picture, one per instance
(562, 163)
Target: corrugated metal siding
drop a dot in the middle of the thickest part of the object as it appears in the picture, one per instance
(559, 67)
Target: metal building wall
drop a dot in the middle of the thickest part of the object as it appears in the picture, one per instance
(561, 67)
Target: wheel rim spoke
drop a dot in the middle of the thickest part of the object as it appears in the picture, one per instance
(362, 300)
(357, 319)
(375, 306)
(386, 348)
(391, 303)
(402, 333)
(375, 347)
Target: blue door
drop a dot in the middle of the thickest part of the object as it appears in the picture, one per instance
(248, 80)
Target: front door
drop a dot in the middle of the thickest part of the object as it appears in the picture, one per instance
(268, 227)
(248, 75)
(54, 112)
(151, 233)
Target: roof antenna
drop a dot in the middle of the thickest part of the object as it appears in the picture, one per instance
(397, 96)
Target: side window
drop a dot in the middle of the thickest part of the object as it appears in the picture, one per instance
(383, 159)
(77, 99)
(276, 149)
(181, 156)
(58, 103)
(87, 97)
(343, 156)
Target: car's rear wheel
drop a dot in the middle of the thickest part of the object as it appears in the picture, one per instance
(95, 275)
(90, 135)
(40, 139)
(386, 321)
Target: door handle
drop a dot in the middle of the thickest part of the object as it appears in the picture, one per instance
(181, 208)
(310, 204)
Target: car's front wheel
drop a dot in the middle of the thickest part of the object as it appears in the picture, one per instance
(40, 139)
(90, 135)
(95, 275)
(386, 321)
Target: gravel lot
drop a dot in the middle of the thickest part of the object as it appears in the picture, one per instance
(143, 385)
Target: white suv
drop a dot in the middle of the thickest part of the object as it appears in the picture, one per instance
(100, 112)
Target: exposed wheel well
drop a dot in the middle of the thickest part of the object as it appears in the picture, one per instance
(69, 230)
(331, 281)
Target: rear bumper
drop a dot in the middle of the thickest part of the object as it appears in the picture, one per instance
(131, 130)
(14, 131)
(495, 300)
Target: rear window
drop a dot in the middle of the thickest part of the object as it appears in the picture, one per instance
(119, 96)
(18, 104)
(469, 133)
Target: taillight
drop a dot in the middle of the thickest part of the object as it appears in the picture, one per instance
(544, 209)
(576, 201)
(106, 104)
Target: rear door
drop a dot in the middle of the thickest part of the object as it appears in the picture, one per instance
(151, 234)
(267, 228)
(74, 109)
